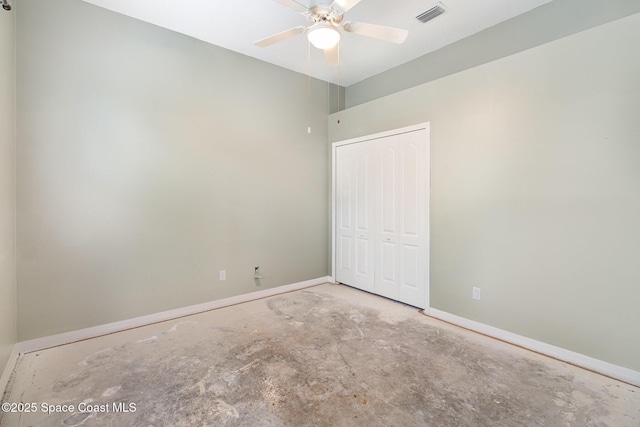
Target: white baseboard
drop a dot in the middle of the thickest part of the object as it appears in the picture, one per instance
(8, 370)
(605, 368)
(109, 328)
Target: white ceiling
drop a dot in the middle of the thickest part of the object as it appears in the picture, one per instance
(237, 24)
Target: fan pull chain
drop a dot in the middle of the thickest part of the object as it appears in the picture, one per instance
(309, 85)
(339, 65)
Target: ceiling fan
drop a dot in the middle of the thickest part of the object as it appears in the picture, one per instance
(326, 18)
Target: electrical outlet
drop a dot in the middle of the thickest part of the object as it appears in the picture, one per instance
(256, 273)
(223, 275)
(476, 293)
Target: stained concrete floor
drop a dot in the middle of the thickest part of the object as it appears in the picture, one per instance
(326, 356)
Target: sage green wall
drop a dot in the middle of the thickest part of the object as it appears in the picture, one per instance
(8, 314)
(148, 161)
(535, 193)
(548, 22)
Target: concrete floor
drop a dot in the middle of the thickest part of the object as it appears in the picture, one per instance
(326, 356)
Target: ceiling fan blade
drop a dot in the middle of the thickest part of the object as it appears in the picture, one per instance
(345, 5)
(279, 37)
(292, 4)
(390, 34)
(332, 55)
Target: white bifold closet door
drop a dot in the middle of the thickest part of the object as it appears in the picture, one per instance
(355, 216)
(382, 216)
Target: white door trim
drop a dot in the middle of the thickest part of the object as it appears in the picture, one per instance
(426, 126)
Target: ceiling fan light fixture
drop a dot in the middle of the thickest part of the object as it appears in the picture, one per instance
(323, 35)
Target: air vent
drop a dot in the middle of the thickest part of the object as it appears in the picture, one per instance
(436, 10)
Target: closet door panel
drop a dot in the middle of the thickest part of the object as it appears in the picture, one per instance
(386, 239)
(354, 257)
(363, 274)
(412, 228)
(345, 189)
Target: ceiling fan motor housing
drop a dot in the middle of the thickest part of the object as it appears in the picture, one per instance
(324, 13)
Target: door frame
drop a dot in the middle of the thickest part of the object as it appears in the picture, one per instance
(426, 126)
